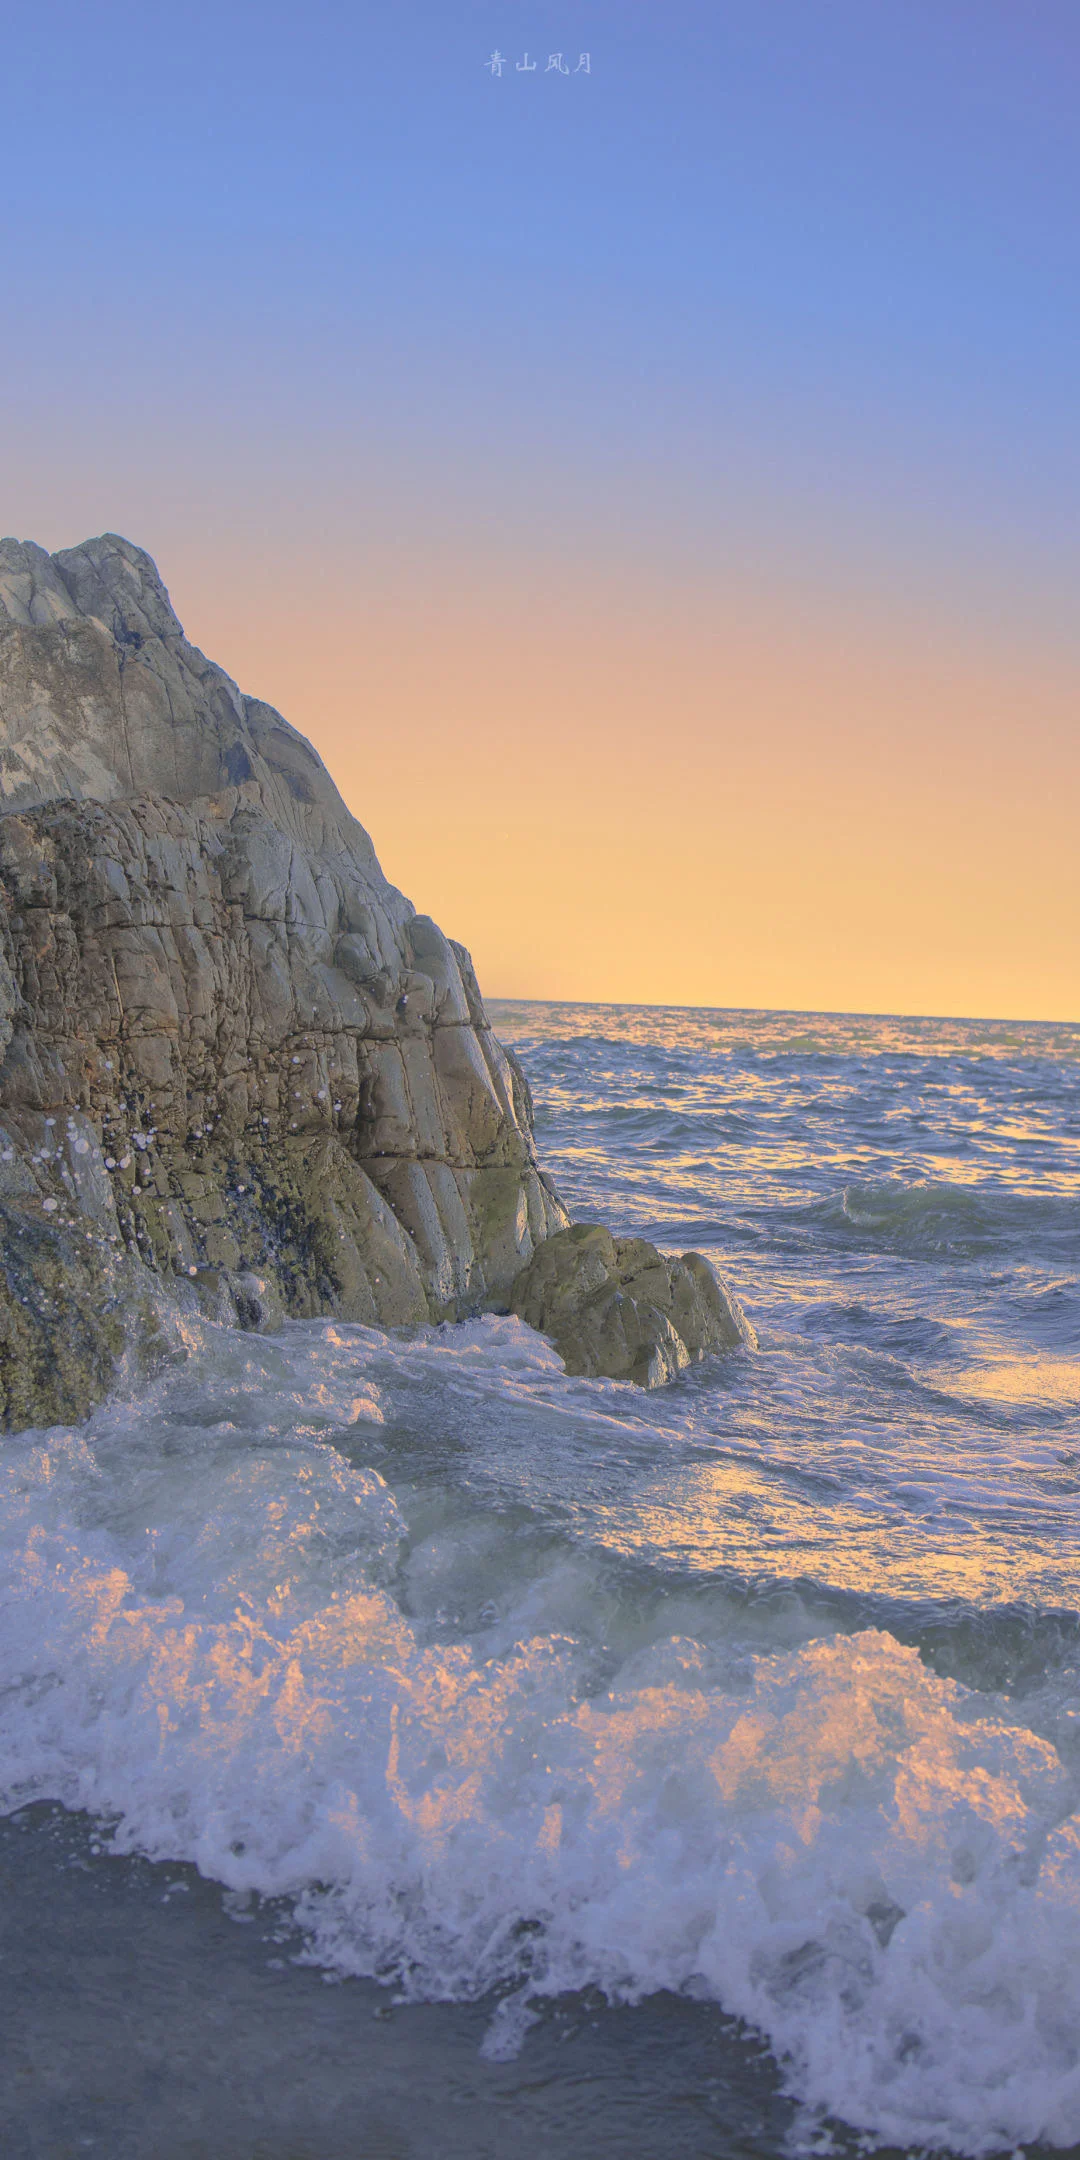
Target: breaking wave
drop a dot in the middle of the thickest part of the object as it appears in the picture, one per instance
(226, 1635)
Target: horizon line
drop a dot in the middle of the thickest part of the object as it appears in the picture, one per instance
(799, 1012)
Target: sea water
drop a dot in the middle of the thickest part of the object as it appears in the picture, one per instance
(731, 1731)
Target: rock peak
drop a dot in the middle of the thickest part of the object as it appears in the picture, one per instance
(102, 698)
(120, 585)
(108, 580)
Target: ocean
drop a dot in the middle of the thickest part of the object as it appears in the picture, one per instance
(407, 1751)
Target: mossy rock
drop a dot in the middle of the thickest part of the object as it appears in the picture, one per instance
(72, 1313)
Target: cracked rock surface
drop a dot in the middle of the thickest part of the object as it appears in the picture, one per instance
(236, 1067)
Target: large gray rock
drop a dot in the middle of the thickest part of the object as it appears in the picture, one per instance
(617, 1306)
(232, 1056)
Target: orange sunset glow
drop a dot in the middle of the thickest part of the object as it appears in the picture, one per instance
(618, 790)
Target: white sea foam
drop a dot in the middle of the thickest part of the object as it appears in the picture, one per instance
(202, 1643)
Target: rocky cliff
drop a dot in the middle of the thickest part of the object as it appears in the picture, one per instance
(235, 1065)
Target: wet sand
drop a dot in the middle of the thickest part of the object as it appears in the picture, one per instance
(142, 2020)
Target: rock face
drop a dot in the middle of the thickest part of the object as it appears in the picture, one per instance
(618, 1307)
(233, 1056)
(238, 1072)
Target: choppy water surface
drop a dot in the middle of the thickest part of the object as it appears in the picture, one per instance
(756, 1698)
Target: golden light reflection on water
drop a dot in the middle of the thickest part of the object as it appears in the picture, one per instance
(730, 1516)
(1026, 1379)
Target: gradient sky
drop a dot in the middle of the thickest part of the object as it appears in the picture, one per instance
(653, 491)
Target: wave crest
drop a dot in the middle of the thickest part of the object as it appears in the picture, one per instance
(858, 1857)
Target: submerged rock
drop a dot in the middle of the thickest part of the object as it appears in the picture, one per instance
(618, 1307)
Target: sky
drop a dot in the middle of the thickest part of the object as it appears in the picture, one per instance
(652, 484)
